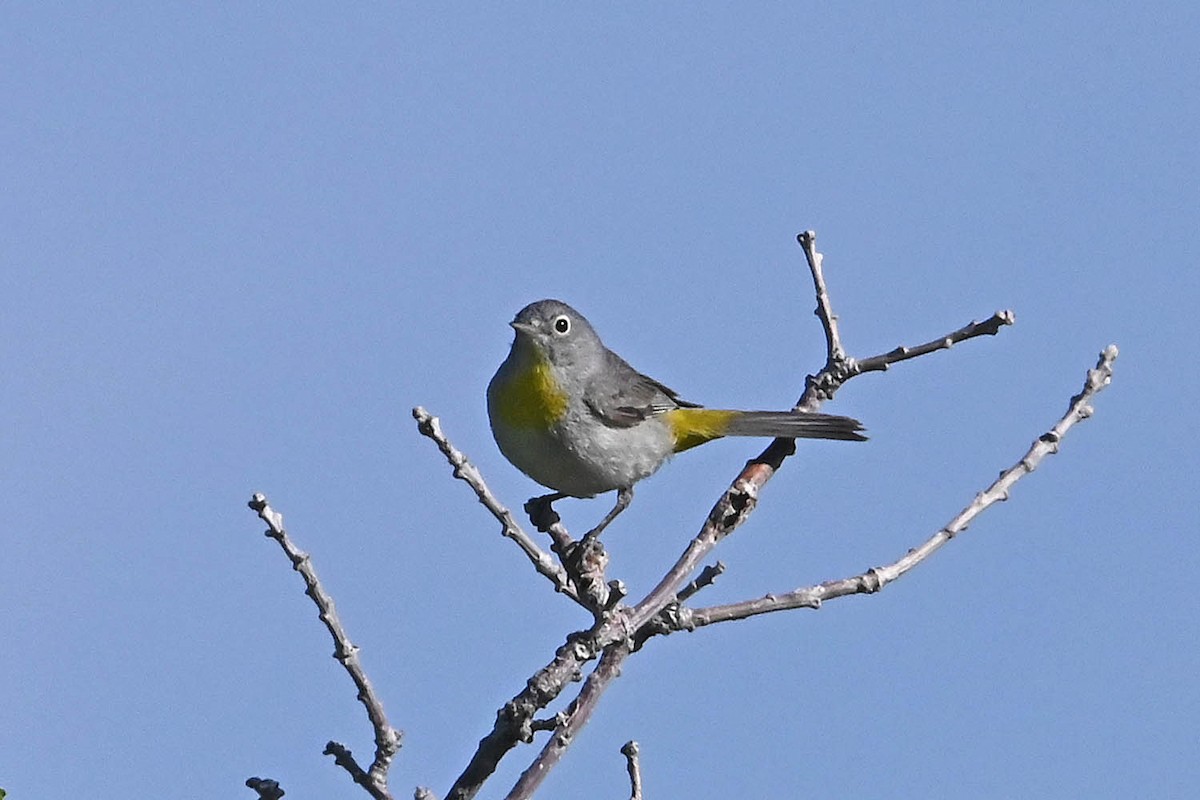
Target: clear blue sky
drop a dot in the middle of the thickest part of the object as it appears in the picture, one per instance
(240, 243)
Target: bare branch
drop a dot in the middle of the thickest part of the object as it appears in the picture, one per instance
(739, 500)
(734, 507)
(633, 763)
(705, 578)
(823, 385)
(387, 738)
(581, 574)
(989, 327)
(731, 510)
(345, 759)
(465, 471)
(675, 616)
(580, 711)
(876, 578)
(839, 367)
(515, 720)
(834, 352)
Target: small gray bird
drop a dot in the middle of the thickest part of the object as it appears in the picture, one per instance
(575, 417)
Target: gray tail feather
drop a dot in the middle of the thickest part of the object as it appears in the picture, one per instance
(796, 425)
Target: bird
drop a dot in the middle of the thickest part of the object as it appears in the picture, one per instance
(578, 419)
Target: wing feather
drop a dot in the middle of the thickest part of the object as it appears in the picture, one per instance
(623, 397)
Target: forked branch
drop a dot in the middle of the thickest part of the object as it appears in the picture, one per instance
(387, 739)
(876, 578)
(740, 499)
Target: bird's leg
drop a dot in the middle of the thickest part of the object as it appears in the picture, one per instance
(624, 498)
(541, 512)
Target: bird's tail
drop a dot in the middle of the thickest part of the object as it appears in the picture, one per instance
(694, 426)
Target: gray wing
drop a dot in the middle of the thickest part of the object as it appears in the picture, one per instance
(623, 397)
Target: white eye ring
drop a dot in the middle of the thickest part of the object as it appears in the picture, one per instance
(562, 324)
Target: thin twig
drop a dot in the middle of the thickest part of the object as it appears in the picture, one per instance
(345, 759)
(876, 578)
(834, 352)
(989, 327)
(633, 763)
(823, 385)
(387, 738)
(705, 578)
(465, 471)
(675, 616)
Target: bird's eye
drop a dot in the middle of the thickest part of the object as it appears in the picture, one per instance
(562, 324)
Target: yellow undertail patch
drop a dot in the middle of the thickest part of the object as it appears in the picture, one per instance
(695, 426)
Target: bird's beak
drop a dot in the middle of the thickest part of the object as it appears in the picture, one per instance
(523, 327)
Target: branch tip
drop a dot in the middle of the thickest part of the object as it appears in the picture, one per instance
(266, 788)
(633, 764)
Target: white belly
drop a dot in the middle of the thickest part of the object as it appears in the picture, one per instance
(582, 457)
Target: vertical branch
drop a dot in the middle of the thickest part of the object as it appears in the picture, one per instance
(834, 352)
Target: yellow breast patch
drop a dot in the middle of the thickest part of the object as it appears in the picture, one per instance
(532, 399)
